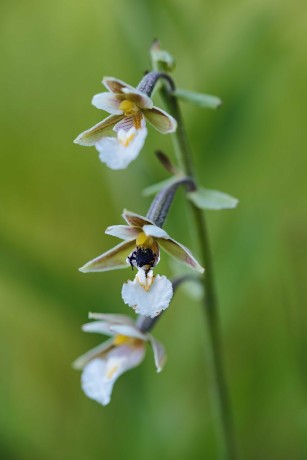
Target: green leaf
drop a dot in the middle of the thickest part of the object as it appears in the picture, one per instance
(201, 100)
(155, 188)
(204, 198)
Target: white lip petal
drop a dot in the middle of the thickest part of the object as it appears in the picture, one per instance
(145, 279)
(122, 358)
(93, 383)
(119, 152)
(99, 375)
(151, 302)
(108, 102)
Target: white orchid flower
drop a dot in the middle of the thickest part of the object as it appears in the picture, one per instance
(125, 350)
(129, 109)
(147, 294)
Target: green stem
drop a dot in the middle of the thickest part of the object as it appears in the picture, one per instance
(225, 430)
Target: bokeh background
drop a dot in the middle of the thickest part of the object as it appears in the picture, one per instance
(57, 199)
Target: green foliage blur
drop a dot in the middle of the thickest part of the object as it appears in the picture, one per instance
(57, 199)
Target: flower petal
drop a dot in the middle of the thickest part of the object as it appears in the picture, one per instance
(100, 327)
(104, 347)
(172, 247)
(159, 353)
(151, 302)
(97, 132)
(99, 375)
(93, 382)
(124, 232)
(124, 357)
(128, 330)
(154, 231)
(135, 219)
(108, 101)
(118, 152)
(180, 253)
(115, 85)
(140, 99)
(111, 260)
(111, 318)
(125, 124)
(162, 121)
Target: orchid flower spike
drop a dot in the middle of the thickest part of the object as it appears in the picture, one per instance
(125, 350)
(147, 294)
(129, 108)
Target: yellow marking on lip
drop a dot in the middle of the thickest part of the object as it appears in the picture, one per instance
(147, 284)
(126, 140)
(111, 372)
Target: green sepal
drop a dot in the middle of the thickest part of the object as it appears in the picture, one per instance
(199, 99)
(205, 198)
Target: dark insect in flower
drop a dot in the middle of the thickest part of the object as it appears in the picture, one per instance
(142, 258)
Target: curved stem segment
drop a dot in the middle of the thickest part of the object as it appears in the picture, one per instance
(161, 204)
(219, 387)
(145, 323)
(149, 81)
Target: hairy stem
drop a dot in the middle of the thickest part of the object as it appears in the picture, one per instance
(219, 388)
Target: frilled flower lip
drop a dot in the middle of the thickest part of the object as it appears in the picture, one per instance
(151, 300)
(118, 152)
(102, 365)
(140, 108)
(116, 257)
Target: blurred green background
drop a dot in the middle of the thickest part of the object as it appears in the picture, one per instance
(57, 199)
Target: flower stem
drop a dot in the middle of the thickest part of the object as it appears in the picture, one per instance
(162, 202)
(220, 395)
(146, 323)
